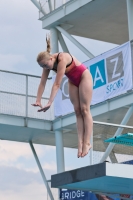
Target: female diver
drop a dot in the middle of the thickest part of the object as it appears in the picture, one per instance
(80, 91)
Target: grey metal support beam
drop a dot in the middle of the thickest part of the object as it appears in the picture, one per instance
(50, 5)
(54, 4)
(41, 171)
(37, 4)
(62, 43)
(59, 151)
(130, 18)
(54, 40)
(54, 44)
(74, 41)
(118, 132)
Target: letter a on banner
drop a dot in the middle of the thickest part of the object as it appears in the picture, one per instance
(98, 76)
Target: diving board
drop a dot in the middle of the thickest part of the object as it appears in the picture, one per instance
(104, 177)
(125, 139)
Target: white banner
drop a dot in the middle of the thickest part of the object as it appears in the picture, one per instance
(112, 75)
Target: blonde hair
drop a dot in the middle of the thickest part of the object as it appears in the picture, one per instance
(45, 54)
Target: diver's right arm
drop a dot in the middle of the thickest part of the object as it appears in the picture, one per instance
(41, 87)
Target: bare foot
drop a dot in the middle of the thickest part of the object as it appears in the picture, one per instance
(86, 148)
(80, 149)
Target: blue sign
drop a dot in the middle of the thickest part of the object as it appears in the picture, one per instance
(76, 195)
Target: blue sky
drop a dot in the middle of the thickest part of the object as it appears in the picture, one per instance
(21, 39)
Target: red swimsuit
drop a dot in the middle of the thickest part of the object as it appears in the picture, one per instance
(73, 72)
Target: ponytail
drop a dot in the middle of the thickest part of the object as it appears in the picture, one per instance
(48, 43)
(45, 54)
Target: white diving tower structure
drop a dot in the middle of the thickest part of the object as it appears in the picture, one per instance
(104, 20)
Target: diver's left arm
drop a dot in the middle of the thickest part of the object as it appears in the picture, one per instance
(60, 73)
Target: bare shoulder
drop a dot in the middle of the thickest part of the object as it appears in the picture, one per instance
(62, 56)
(65, 57)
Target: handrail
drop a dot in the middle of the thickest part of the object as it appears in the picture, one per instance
(11, 72)
(17, 95)
(50, 5)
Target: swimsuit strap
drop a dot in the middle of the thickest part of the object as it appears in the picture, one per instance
(57, 57)
(56, 62)
(70, 62)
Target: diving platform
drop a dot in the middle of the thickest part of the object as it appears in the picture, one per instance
(91, 19)
(100, 178)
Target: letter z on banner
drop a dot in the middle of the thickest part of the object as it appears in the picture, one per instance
(111, 73)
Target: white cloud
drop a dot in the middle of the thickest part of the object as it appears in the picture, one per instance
(11, 151)
(32, 191)
(15, 183)
(19, 156)
(50, 166)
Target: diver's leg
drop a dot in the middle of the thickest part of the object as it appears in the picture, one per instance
(74, 97)
(85, 95)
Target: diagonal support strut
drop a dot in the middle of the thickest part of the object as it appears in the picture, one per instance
(74, 41)
(41, 171)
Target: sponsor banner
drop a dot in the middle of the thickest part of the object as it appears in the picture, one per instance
(112, 76)
(111, 72)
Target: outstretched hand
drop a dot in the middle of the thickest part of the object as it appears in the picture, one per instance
(45, 108)
(37, 104)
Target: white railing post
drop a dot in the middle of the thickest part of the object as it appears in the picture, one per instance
(26, 101)
(37, 4)
(50, 5)
(54, 4)
(130, 18)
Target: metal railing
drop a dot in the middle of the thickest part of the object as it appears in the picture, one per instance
(17, 93)
(47, 6)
